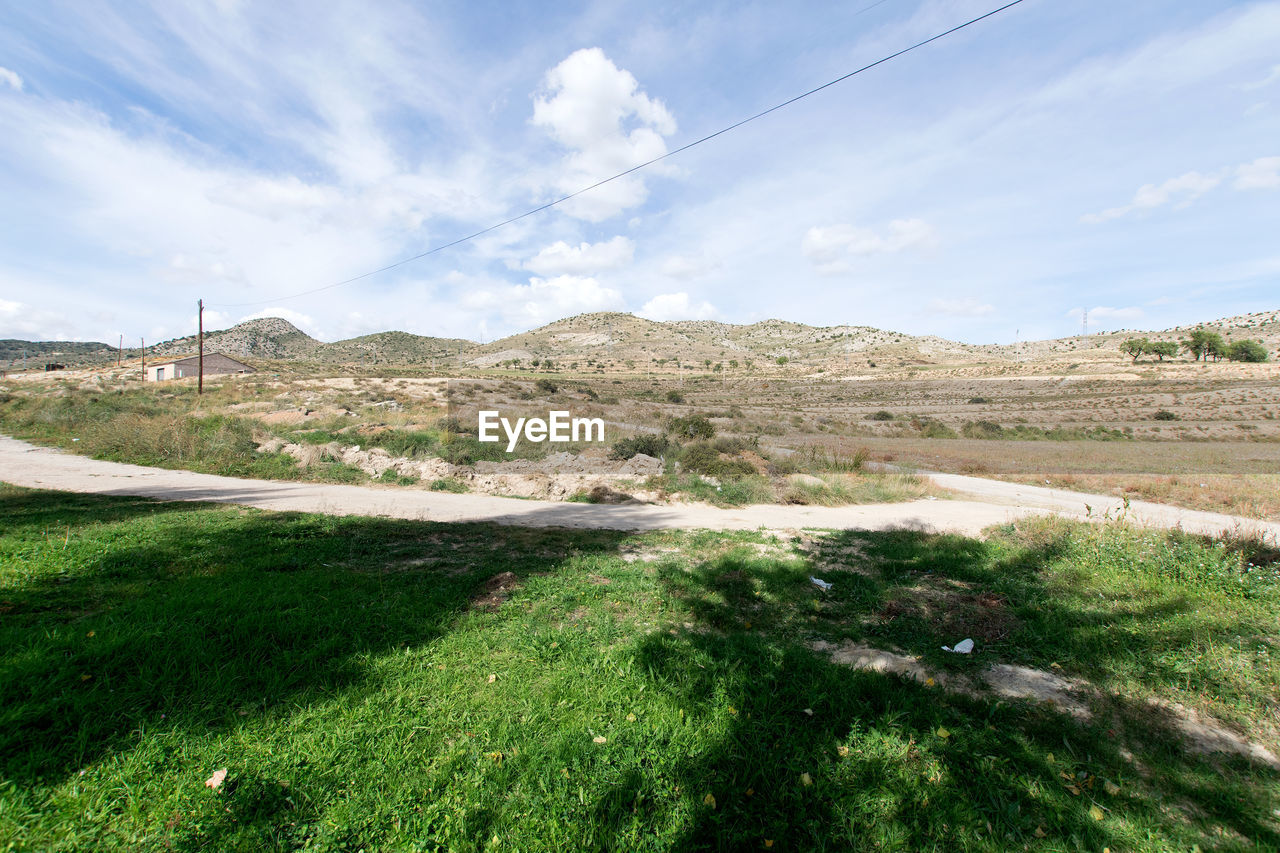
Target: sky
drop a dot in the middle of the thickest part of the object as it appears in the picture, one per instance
(1119, 158)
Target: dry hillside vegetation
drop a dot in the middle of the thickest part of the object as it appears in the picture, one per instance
(1073, 413)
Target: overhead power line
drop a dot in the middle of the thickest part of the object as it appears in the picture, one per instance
(633, 169)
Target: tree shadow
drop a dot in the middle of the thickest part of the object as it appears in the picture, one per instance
(881, 773)
(195, 620)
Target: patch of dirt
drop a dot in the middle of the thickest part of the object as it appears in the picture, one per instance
(1067, 695)
(495, 592)
(951, 609)
(1205, 736)
(1020, 682)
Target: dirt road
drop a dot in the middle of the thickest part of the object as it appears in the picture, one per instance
(980, 503)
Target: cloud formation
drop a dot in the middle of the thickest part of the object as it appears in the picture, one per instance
(831, 247)
(584, 259)
(677, 306)
(1105, 314)
(1181, 191)
(10, 79)
(1261, 174)
(598, 111)
(545, 299)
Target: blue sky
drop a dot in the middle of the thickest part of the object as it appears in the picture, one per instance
(1120, 157)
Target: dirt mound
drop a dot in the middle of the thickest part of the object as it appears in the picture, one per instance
(495, 592)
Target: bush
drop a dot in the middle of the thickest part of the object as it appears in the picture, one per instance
(1251, 351)
(982, 429)
(930, 428)
(649, 445)
(882, 415)
(674, 396)
(546, 385)
(691, 426)
(978, 401)
(1164, 415)
(702, 458)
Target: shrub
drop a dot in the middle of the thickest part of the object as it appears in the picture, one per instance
(930, 428)
(702, 458)
(978, 401)
(674, 396)
(1251, 351)
(982, 429)
(546, 385)
(649, 445)
(882, 415)
(691, 426)
(1164, 415)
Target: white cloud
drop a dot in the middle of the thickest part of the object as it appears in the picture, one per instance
(688, 266)
(1102, 314)
(10, 79)
(1272, 76)
(184, 269)
(584, 259)
(587, 106)
(830, 248)
(676, 306)
(545, 299)
(1261, 174)
(27, 322)
(1183, 189)
(966, 307)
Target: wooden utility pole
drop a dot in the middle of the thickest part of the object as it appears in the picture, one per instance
(143, 343)
(120, 352)
(200, 380)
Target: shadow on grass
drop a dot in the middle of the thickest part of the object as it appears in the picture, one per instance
(893, 764)
(193, 620)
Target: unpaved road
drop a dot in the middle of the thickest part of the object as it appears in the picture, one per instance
(983, 502)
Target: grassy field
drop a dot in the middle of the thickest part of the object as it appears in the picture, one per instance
(375, 685)
(222, 432)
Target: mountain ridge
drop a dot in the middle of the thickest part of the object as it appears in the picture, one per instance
(616, 338)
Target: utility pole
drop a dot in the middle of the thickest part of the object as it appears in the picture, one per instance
(120, 352)
(200, 381)
(143, 343)
(1085, 321)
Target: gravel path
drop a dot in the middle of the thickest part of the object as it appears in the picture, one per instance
(981, 502)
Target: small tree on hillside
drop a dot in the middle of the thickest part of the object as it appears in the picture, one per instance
(1161, 349)
(1215, 346)
(1135, 347)
(1204, 344)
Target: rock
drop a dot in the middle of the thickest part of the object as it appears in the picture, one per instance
(806, 480)
(272, 445)
(640, 466)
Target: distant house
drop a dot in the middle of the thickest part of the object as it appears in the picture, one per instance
(215, 363)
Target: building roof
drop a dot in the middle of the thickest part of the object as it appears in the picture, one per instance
(159, 361)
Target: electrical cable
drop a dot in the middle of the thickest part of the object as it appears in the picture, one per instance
(636, 168)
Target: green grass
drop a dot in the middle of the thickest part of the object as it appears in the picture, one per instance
(363, 694)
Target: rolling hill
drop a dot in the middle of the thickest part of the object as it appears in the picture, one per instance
(623, 341)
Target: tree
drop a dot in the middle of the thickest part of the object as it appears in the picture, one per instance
(1203, 344)
(1215, 346)
(1247, 351)
(1160, 349)
(1135, 347)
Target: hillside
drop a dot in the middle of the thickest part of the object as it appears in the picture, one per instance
(608, 340)
(37, 353)
(269, 338)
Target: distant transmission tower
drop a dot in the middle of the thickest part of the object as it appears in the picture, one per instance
(1085, 322)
